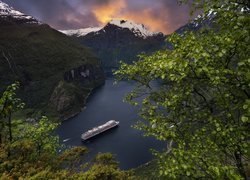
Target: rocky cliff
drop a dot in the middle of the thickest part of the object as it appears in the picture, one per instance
(70, 95)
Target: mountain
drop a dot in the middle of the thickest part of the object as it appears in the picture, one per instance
(119, 40)
(8, 14)
(203, 20)
(56, 72)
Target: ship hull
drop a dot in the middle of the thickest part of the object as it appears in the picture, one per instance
(101, 131)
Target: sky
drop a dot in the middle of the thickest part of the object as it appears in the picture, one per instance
(157, 15)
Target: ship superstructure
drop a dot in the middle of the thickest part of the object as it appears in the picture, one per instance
(97, 130)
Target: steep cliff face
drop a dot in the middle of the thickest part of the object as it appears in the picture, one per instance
(68, 99)
(56, 73)
(70, 95)
(88, 75)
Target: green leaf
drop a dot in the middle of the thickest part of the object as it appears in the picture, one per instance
(244, 119)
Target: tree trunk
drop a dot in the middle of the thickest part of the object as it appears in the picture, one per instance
(10, 128)
(240, 167)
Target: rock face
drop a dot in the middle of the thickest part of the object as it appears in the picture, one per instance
(56, 73)
(68, 99)
(70, 95)
(85, 74)
(62, 98)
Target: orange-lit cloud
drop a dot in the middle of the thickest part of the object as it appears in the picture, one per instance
(106, 12)
(154, 21)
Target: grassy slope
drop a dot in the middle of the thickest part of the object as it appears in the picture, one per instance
(39, 56)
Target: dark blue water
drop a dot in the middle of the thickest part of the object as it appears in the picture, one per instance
(106, 103)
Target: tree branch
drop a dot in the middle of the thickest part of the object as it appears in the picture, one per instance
(204, 98)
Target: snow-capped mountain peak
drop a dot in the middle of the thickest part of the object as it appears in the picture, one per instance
(138, 29)
(6, 11)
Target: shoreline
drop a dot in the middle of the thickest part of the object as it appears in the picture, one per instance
(82, 108)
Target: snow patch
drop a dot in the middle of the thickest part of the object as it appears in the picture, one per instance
(81, 32)
(204, 17)
(138, 29)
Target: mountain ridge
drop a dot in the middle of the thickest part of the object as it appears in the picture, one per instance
(138, 29)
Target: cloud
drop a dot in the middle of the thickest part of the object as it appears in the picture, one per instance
(159, 15)
(106, 12)
(60, 14)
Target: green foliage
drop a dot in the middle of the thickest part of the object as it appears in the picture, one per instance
(148, 171)
(105, 159)
(33, 152)
(202, 105)
(9, 102)
(105, 167)
(73, 158)
(40, 134)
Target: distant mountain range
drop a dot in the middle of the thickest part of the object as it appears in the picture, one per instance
(119, 40)
(56, 72)
(138, 30)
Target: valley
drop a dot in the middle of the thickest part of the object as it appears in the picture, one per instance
(124, 89)
(64, 78)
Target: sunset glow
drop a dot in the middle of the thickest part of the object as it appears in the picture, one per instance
(159, 16)
(109, 11)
